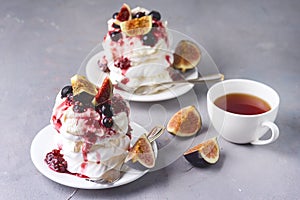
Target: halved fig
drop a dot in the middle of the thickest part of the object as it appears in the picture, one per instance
(137, 26)
(187, 55)
(83, 90)
(186, 122)
(142, 152)
(104, 92)
(123, 15)
(204, 154)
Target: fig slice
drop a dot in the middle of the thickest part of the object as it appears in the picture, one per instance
(83, 90)
(204, 154)
(187, 55)
(142, 152)
(186, 122)
(137, 26)
(104, 92)
(124, 14)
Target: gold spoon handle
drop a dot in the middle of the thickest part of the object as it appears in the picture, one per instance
(155, 133)
(197, 80)
(151, 89)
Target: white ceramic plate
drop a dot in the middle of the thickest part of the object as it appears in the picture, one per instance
(96, 75)
(44, 143)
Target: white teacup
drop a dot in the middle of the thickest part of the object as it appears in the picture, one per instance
(243, 128)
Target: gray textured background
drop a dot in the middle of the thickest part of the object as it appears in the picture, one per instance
(42, 44)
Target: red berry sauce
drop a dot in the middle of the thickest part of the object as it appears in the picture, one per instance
(56, 162)
(59, 113)
(168, 59)
(123, 63)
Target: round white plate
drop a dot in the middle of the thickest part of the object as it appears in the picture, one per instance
(96, 75)
(44, 143)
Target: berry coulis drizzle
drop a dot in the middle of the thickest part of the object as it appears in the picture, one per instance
(57, 163)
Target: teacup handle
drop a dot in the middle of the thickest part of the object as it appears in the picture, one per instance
(275, 134)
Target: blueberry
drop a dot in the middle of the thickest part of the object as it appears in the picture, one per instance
(108, 122)
(66, 91)
(106, 110)
(116, 26)
(149, 39)
(154, 25)
(155, 15)
(139, 15)
(115, 36)
(98, 109)
(114, 16)
(70, 97)
(79, 108)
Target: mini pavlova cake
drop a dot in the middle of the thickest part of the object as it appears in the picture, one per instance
(136, 47)
(93, 131)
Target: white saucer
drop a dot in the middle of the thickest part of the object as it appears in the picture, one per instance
(96, 75)
(44, 143)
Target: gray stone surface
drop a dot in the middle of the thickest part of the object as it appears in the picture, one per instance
(42, 44)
